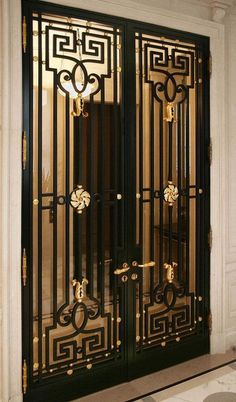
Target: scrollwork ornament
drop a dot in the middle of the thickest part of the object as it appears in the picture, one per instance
(79, 199)
(171, 194)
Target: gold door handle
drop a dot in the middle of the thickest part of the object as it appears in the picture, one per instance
(125, 268)
(146, 265)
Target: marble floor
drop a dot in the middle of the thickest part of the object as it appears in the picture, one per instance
(217, 386)
(174, 384)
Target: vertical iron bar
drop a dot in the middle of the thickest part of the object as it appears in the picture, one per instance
(40, 293)
(67, 206)
(198, 137)
(170, 208)
(170, 129)
(114, 184)
(161, 151)
(152, 175)
(90, 212)
(78, 177)
(54, 199)
(179, 271)
(141, 237)
(187, 191)
(101, 204)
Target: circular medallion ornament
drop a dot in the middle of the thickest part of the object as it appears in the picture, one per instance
(79, 199)
(171, 194)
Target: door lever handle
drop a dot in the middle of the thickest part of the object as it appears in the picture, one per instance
(146, 265)
(125, 268)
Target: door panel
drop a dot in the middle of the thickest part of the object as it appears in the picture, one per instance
(167, 189)
(115, 201)
(77, 242)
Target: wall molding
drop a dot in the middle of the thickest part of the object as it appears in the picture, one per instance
(10, 172)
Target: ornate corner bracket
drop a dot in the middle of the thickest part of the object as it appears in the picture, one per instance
(219, 9)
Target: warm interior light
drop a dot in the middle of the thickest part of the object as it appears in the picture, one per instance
(74, 94)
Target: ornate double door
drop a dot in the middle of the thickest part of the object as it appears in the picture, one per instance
(115, 200)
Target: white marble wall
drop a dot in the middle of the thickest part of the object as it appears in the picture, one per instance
(230, 259)
(223, 205)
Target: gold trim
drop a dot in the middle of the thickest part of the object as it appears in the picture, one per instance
(170, 274)
(80, 292)
(24, 34)
(24, 377)
(170, 112)
(24, 150)
(171, 193)
(24, 267)
(145, 265)
(125, 268)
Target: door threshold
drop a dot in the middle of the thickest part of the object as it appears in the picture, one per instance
(163, 379)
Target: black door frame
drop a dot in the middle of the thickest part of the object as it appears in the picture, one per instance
(67, 388)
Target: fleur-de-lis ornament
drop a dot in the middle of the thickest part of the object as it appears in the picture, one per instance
(79, 289)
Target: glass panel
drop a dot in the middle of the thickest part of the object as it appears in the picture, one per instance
(77, 153)
(166, 187)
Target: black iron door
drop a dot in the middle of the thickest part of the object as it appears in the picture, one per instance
(115, 200)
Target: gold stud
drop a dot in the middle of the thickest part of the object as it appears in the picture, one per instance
(36, 366)
(200, 190)
(36, 201)
(199, 61)
(137, 338)
(89, 366)
(138, 195)
(200, 80)
(119, 69)
(163, 344)
(69, 372)
(177, 339)
(199, 319)
(200, 298)
(119, 196)
(138, 315)
(118, 319)
(118, 343)
(36, 339)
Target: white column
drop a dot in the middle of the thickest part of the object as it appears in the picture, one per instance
(10, 201)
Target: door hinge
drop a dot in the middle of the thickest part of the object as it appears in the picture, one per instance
(24, 267)
(24, 150)
(24, 34)
(209, 322)
(209, 152)
(24, 377)
(210, 64)
(209, 239)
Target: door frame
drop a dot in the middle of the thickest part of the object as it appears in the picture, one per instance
(11, 174)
